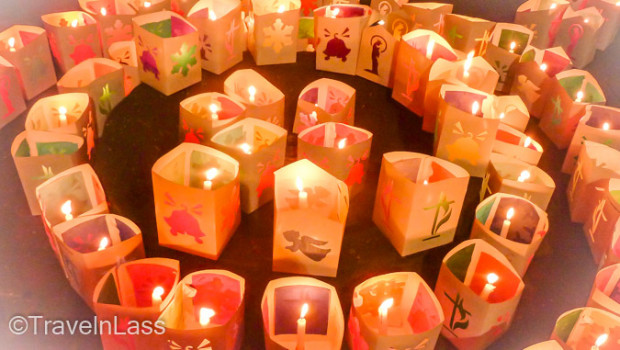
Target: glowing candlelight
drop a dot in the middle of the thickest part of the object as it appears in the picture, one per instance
(158, 292)
(470, 57)
(606, 126)
(425, 182)
(502, 115)
(246, 148)
(553, 6)
(252, 93)
(212, 15)
(313, 117)
(475, 108)
(513, 46)
(147, 4)
(104, 11)
(303, 195)
(66, 209)
(281, 9)
(383, 313)
(210, 175)
(12, 44)
(381, 22)
(523, 177)
(213, 109)
(528, 142)
(342, 143)
(506, 224)
(74, 23)
(429, 49)
(490, 286)
(600, 341)
(586, 20)
(103, 244)
(301, 327)
(62, 115)
(579, 96)
(543, 67)
(205, 315)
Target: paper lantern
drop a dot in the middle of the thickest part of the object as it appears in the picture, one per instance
(262, 100)
(577, 34)
(601, 226)
(273, 27)
(599, 124)
(376, 55)
(69, 113)
(415, 55)
(546, 345)
(340, 149)
(566, 104)
(543, 17)
(134, 293)
(610, 10)
(203, 115)
(512, 143)
(513, 225)
(38, 155)
(286, 326)
(26, 48)
(466, 33)
(466, 128)
(419, 200)
(612, 255)
(260, 149)
(206, 312)
(311, 209)
(479, 291)
(168, 49)
(512, 111)
(394, 310)
(73, 37)
(13, 102)
(124, 52)
(605, 292)
(102, 79)
(220, 31)
(585, 327)
(324, 100)
(428, 15)
(91, 245)
(338, 29)
(196, 192)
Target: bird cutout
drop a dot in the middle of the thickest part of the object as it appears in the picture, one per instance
(266, 173)
(278, 36)
(336, 47)
(204, 345)
(184, 59)
(413, 80)
(82, 49)
(356, 170)
(118, 32)
(192, 135)
(459, 317)
(467, 147)
(229, 38)
(205, 47)
(444, 206)
(183, 219)
(307, 245)
(597, 215)
(528, 91)
(379, 45)
(316, 197)
(147, 58)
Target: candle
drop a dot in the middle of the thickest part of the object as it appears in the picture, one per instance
(147, 4)
(468, 61)
(513, 45)
(104, 11)
(210, 175)
(383, 313)
(475, 107)
(205, 316)
(301, 327)
(212, 15)
(425, 182)
(506, 224)
(303, 195)
(489, 287)
(103, 244)
(342, 143)
(213, 109)
(429, 49)
(524, 176)
(502, 115)
(381, 22)
(528, 142)
(74, 23)
(66, 209)
(246, 148)
(12, 44)
(281, 9)
(62, 115)
(600, 341)
(605, 126)
(586, 20)
(252, 93)
(543, 67)
(553, 6)
(158, 292)
(579, 96)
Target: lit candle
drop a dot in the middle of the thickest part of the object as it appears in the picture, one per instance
(210, 175)
(579, 96)
(281, 9)
(303, 195)
(606, 126)
(527, 142)
(468, 61)
(475, 107)
(523, 177)
(543, 67)
(381, 22)
(506, 224)
(553, 6)
(490, 286)
(213, 109)
(74, 23)
(212, 15)
(425, 182)
(429, 49)
(586, 20)
(301, 327)
(342, 143)
(103, 244)
(12, 44)
(104, 11)
(252, 93)
(62, 115)
(383, 314)
(513, 45)
(246, 148)
(66, 209)
(205, 315)
(502, 115)
(147, 4)
(600, 341)
(158, 292)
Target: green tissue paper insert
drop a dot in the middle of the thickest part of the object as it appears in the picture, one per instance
(573, 85)
(45, 148)
(162, 29)
(459, 262)
(566, 324)
(306, 28)
(109, 292)
(23, 150)
(482, 214)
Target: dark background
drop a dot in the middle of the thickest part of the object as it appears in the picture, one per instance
(144, 127)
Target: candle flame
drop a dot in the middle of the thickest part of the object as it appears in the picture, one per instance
(492, 278)
(510, 213)
(74, 23)
(342, 143)
(158, 292)
(586, 20)
(524, 176)
(528, 142)
(579, 96)
(601, 339)
(211, 174)
(246, 148)
(543, 67)
(252, 92)
(470, 57)
(304, 311)
(386, 304)
(425, 182)
(300, 184)
(213, 108)
(381, 22)
(502, 115)
(513, 46)
(205, 315)
(62, 110)
(475, 107)
(12, 42)
(429, 48)
(103, 244)
(66, 207)
(104, 11)
(553, 6)
(212, 15)
(147, 4)
(281, 9)
(605, 126)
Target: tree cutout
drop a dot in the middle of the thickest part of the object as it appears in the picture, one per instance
(277, 36)
(147, 58)
(466, 147)
(336, 47)
(183, 220)
(185, 59)
(308, 246)
(118, 32)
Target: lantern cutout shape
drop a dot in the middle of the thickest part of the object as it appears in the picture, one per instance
(479, 291)
(513, 225)
(466, 128)
(69, 113)
(124, 52)
(428, 15)
(543, 17)
(377, 48)
(27, 49)
(419, 200)
(260, 149)
(465, 33)
(262, 100)
(38, 155)
(13, 103)
(103, 80)
(585, 188)
(415, 55)
(91, 245)
(168, 51)
(393, 311)
(202, 116)
(285, 324)
(324, 100)
(381, 9)
(511, 111)
(206, 312)
(338, 29)
(577, 34)
(546, 345)
(605, 292)
(73, 37)
(70, 194)
(603, 223)
(512, 176)
(340, 149)
(221, 33)
(530, 77)
(599, 124)
(587, 328)
(512, 143)
(137, 290)
(311, 209)
(196, 192)
(567, 99)
(273, 28)
(473, 72)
